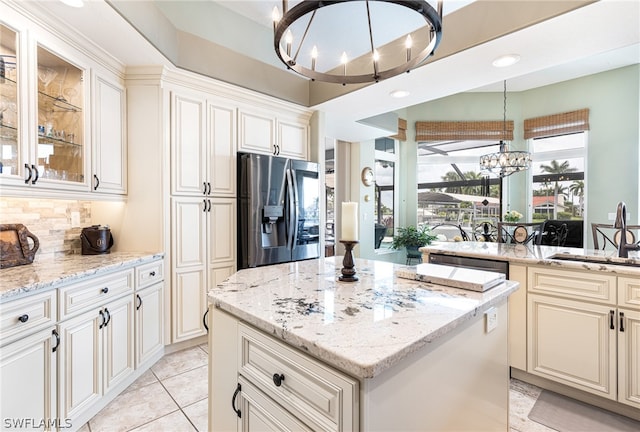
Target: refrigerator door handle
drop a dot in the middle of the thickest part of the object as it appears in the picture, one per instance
(292, 212)
(294, 204)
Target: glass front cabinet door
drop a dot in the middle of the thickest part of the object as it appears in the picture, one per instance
(60, 150)
(9, 151)
(42, 116)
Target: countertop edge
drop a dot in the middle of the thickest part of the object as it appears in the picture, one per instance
(362, 371)
(541, 260)
(118, 260)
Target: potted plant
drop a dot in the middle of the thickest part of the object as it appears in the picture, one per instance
(413, 238)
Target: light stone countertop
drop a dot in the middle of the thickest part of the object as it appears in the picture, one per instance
(361, 327)
(50, 273)
(602, 260)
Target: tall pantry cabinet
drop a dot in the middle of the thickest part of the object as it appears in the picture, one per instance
(183, 134)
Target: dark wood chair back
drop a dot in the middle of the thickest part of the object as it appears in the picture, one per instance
(606, 235)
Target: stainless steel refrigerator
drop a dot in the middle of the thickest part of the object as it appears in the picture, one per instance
(278, 210)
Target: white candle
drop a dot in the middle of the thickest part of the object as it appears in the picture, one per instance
(350, 221)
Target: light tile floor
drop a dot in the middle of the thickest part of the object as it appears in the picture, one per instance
(172, 396)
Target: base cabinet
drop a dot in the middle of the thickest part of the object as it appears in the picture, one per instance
(28, 399)
(96, 353)
(629, 358)
(583, 331)
(149, 323)
(274, 386)
(572, 342)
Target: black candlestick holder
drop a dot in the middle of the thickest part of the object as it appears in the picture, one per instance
(348, 267)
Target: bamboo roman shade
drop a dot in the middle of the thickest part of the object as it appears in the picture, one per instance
(464, 130)
(402, 130)
(557, 124)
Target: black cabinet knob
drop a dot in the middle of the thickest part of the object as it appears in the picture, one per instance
(23, 318)
(152, 273)
(105, 290)
(277, 379)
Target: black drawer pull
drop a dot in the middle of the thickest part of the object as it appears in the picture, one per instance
(621, 321)
(55, 333)
(108, 317)
(23, 318)
(28, 179)
(35, 168)
(612, 320)
(204, 320)
(97, 184)
(139, 302)
(233, 400)
(105, 290)
(152, 273)
(277, 379)
(104, 319)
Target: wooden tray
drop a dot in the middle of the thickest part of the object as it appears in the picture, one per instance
(14, 245)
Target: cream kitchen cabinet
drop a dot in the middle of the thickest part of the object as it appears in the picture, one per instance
(96, 354)
(96, 350)
(28, 362)
(262, 131)
(109, 142)
(149, 321)
(273, 386)
(583, 332)
(629, 341)
(67, 128)
(203, 254)
(203, 145)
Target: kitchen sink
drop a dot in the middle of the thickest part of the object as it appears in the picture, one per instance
(608, 260)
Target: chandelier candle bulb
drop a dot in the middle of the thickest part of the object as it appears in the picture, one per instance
(289, 40)
(314, 56)
(350, 221)
(408, 43)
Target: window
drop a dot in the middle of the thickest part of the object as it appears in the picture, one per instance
(385, 204)
(558, 182)
(451, 189)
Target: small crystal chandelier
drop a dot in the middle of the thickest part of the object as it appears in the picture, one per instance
(380, 62)
(504, 163)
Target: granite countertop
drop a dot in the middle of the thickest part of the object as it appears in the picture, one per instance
(49, 273)
(600, 260)
(361, 327)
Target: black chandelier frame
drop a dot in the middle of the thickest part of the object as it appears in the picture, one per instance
(432, 17)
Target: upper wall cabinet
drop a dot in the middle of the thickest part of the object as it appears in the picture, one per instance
(8, 102)
(60, 151)
(62, 113)
(262, 131)
(110, 151)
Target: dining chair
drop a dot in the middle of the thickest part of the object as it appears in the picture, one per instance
(519, 232)
(604, 234)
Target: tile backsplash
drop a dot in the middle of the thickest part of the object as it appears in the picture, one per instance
(56, 223)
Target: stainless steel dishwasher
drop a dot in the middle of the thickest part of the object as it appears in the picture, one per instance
(472, 263)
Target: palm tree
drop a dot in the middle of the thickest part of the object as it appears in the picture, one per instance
(577, 189)
(472, 190)
(452, 176)
(556, 168)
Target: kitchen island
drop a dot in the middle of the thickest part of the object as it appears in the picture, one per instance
(292, 347)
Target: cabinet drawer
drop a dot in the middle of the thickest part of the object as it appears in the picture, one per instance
(94, 291)
(579, 285)
(20, 317)
(629, 292)
(319, 396)
(148, 274)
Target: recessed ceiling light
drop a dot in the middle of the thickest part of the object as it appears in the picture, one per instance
(73, 3)
(506, 60)
(399, 93)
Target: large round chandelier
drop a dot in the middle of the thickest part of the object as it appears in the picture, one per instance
(383, 59)
(505, 162)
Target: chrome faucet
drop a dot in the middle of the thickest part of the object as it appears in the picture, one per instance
(621, 222)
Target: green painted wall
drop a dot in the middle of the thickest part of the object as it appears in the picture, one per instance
(614, 138)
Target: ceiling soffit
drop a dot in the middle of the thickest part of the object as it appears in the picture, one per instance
(195, 50)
